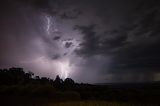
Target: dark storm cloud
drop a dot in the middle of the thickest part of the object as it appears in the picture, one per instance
(113, 40)
(99, 44)
(134, 46)
(56, 56)
(47, 6)
(65, 16)
(61, 8)
(68, 44)
(56, 38)
(43, 4)
(144, 54)
(128, 56)
(90, 43)
(144, 18)
(71, 14)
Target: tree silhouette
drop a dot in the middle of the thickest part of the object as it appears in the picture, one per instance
(68, 81)
(58, 82)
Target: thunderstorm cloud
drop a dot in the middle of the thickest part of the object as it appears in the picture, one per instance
(95, 41)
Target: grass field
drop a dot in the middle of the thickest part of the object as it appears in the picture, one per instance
(94, 103)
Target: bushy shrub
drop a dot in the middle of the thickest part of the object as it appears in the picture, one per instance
(29, 90)
(67, 95)
(43, 90)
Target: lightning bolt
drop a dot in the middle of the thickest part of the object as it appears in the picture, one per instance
(48, 25)
(64, 68)
(51, 25)
(51, 28)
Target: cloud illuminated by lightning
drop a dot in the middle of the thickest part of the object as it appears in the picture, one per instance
(51, 25)
(63, 65)
(64, 68)
(48, 25)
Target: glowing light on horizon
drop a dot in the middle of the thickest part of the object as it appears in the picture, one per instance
(65, 69)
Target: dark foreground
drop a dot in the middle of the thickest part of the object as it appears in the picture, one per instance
(18, 88)
(78, 103)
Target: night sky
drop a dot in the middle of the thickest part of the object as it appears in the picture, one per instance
(93, 41)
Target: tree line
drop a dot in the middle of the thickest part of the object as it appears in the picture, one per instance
(15, 82)
(17, 76)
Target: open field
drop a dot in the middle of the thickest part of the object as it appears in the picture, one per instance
(45, 102)
(94, 103)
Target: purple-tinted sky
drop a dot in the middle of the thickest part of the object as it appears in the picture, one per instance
(94, 41)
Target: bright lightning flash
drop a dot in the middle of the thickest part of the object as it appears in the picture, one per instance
(65, 69)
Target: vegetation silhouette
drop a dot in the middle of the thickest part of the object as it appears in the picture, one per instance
(22, 86)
